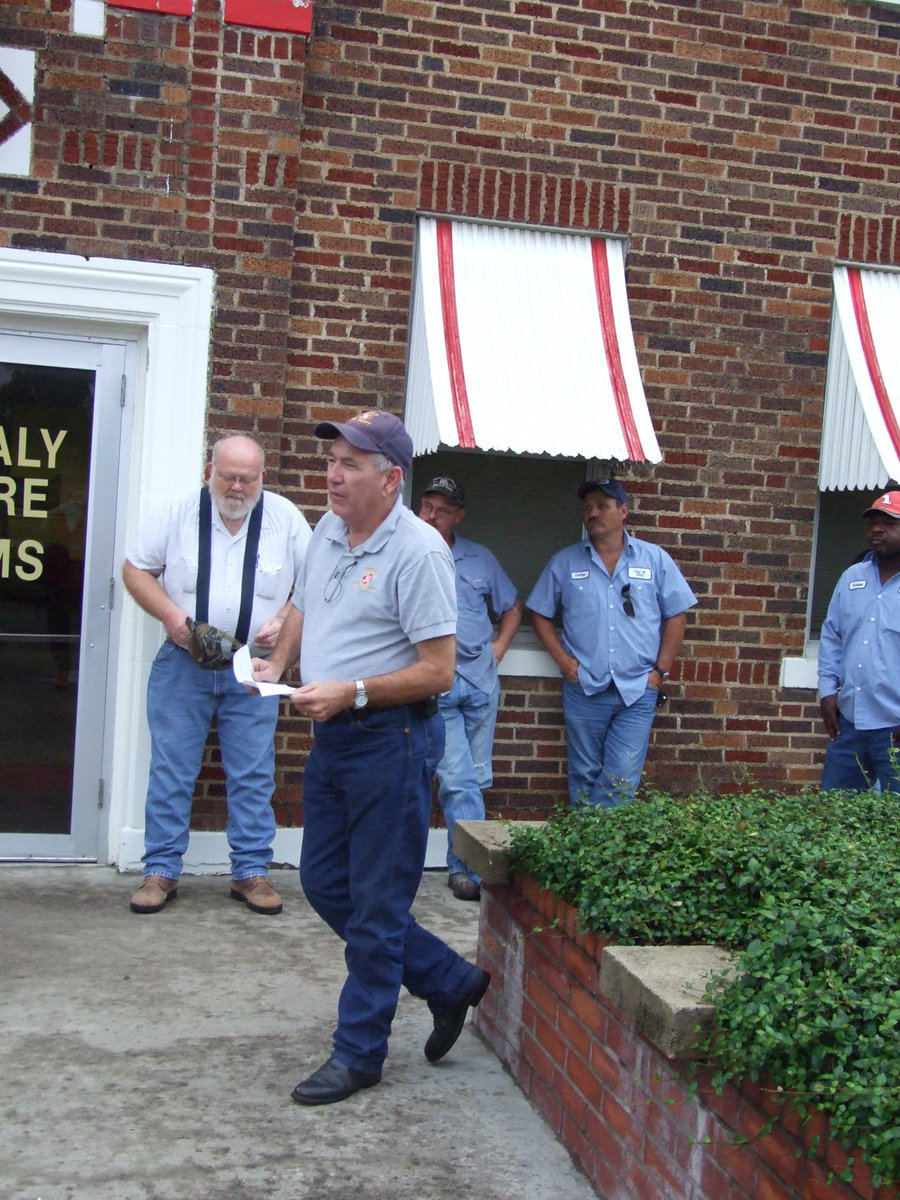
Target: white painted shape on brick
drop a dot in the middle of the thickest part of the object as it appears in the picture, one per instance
(801, 672)
(89, 17)
(15, 152)
(857, 451)
(532, 345)
(208, 852)
(18, 67)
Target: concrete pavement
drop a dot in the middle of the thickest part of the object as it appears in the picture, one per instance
(152, 1058)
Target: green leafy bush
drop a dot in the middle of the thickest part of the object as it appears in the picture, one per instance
(806, 890)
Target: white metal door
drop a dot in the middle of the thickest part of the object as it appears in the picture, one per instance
(60, 438)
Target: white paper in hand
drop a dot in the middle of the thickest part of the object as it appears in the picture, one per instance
(243, 673)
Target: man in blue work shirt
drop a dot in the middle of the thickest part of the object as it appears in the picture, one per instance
(859, 649)
(623, 604)
(470, 707)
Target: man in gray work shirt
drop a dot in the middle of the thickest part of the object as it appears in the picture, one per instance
(374, 624)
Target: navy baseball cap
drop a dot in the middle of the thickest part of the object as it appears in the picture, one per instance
(375, 431)
(611, 487)
(445, 486)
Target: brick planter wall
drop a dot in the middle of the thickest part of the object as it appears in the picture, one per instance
(621, 1107)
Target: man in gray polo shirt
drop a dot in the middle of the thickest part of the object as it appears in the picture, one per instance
(374, 622)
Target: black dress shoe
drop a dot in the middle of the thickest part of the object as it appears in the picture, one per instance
(463, 886)
(448, 1024)
(332, 1082)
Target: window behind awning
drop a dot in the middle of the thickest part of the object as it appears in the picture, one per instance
(521, 341)
(861, 426)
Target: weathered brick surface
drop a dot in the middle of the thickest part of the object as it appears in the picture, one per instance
(742, 149)
(629, 1115)
(173, 140)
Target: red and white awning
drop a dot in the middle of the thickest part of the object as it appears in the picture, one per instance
(521, 341)
(861, 426)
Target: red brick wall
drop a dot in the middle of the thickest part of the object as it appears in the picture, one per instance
(623, 1110)
(173, 139)
(743, 149)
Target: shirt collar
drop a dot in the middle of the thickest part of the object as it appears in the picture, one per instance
(376, 540)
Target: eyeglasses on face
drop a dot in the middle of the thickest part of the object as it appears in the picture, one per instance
(437, 510)
(627, 602)
(336, 581)
(243, 480)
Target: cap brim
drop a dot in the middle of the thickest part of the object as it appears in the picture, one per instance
(351, 433)
(327, 431)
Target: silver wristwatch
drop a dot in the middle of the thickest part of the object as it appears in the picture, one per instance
(361, 699)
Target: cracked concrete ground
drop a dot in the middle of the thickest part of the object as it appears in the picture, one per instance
(152, 1058)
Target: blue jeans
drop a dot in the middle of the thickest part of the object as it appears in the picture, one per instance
(182, 700)
(607, 743)
(860, 757)
(366, 813)
(465, 770)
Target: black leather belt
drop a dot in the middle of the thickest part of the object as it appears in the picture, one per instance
(418, 708)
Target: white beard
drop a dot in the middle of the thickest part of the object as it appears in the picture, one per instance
(234, 508)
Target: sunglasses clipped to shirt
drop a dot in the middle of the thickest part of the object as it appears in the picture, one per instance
(628, 606)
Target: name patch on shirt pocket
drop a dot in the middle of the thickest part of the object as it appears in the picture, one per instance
(580, 575)
(856, 584)
(640, 573)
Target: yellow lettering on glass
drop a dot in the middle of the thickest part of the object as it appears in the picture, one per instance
(33, 496)
(52, 447)
(29, 566)
(28, 555)
(52, 443)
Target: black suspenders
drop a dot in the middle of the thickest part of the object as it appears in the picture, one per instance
(248, 576)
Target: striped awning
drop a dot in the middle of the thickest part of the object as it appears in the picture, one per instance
(521, 341)
(861, 425)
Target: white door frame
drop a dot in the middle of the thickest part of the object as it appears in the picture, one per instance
(165, 312)
(107, 361)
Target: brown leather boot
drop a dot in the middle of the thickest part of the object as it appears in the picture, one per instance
(154, 894)
(258, 894)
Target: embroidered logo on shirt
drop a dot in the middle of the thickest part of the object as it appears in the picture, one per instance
(366, 581)
(640, 573)
(580, 575)
(856, 584)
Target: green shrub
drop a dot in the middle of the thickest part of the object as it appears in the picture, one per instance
(806, 890)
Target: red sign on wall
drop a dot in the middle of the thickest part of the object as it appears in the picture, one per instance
(180, 8)
(287, 16)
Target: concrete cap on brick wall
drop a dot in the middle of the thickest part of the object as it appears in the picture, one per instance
(663, 991)
(660, 989)
(484, 847)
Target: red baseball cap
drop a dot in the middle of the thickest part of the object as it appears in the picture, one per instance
(889, 504)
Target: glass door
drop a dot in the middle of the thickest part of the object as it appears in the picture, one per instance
(60, 429)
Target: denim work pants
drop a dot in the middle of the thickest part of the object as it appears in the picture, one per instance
(607, 743)
(366, 812)
(182, 700)
(859, 758)
(465, 771)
